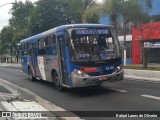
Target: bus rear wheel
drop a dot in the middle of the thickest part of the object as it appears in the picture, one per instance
(31, 77)
(57, 82)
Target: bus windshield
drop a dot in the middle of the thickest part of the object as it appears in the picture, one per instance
(99, 44)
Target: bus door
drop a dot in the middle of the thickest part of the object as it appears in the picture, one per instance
(34, 51)
(62, 60)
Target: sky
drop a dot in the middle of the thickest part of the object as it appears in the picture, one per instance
(4, 11)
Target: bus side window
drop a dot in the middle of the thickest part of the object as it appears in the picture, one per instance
(30, 49)
(41, 46)
(54, 44)
(22, 49)
(46, 41)
(25, 48)
(51, 48)
(54, 39)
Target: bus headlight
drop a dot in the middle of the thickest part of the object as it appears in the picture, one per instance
(81, 73)
(118, 68)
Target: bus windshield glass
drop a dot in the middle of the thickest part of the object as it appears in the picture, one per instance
(99, 44)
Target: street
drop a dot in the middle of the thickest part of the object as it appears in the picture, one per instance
(126, 95)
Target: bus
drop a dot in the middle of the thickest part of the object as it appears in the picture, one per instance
(75, 55)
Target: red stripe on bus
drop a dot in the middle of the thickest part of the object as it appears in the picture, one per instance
(89, 70)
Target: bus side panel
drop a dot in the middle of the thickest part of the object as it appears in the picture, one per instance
(48, 67)
(41, 66)
(50, 61)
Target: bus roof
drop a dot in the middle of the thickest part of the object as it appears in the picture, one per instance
(62, 27)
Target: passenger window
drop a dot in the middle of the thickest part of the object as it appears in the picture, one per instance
(25, 48)
(46, 41)
(51, 48)
(52, 40)
(22, 49)
(41, 45)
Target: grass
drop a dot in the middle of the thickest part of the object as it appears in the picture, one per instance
(142, 68)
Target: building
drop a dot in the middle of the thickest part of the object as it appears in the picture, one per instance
(146, 38)
(135, 47)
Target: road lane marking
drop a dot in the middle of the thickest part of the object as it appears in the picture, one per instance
(123, 91)
(152, 97)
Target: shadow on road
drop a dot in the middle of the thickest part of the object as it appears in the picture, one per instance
(80, 92)
(91, 91)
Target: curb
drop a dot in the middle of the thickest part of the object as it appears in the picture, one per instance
(142, 78)
(142, 74)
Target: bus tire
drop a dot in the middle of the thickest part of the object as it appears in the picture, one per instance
(31, 77)
(57, 83)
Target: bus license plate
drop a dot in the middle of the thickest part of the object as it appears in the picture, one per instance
(103, 78)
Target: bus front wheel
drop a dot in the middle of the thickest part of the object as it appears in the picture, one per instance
(57, 83)
(31, 77)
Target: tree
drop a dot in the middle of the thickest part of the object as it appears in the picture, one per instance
(91, 15)
(111, 8)
(155, 18)
(28, 19)
(124, 12)
(19, 22)
(5, 38)
(48, 13)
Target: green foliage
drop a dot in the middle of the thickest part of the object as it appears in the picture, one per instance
(19, 22)
(131, 11)
(112, 9)
(5, 38)
(6, 34)
(28, 19)
(21, 14)
(91, 15)
(124, 12)
(46, 15)
(73, 8)
(155, 18)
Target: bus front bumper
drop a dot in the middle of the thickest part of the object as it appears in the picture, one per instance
(78, 81)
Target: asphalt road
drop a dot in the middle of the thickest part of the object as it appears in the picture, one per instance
(126, 95)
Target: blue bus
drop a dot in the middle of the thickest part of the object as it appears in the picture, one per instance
(75, 55)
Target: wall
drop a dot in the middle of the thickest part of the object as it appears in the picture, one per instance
(145, 32)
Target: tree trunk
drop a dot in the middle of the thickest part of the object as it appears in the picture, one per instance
(145, 57)
(11, 55)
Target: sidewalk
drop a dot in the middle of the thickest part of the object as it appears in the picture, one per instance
(149, 75)
(21, 103)
(142, 75)
(13, 101)
(10, 64)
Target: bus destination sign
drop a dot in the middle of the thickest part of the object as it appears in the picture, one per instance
(91, 31)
